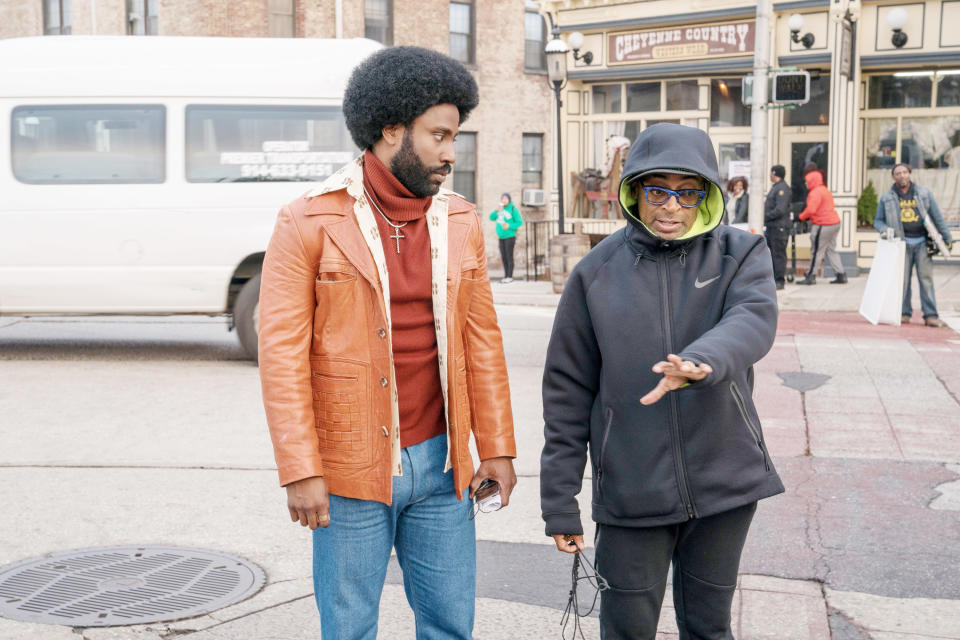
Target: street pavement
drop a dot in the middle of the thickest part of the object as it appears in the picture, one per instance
(118, 431)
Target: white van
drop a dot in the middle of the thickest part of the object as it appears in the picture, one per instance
(143, 175)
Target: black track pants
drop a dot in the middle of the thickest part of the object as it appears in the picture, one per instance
(506, 255)
(705, 553)
(777, 241)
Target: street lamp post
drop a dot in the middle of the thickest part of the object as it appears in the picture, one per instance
(556, 51)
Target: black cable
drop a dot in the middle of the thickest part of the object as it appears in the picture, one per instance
(598, 582)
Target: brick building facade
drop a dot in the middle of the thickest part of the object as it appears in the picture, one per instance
(516, 103)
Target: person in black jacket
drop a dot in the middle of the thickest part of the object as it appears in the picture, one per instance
(776, 217)
(650, 368)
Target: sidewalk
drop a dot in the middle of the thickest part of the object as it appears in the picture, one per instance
(166, 444)
(819, 297)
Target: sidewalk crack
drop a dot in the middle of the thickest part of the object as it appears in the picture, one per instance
(240, 617)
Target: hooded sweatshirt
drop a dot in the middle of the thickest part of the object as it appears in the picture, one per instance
(708, 296)
(819, 209)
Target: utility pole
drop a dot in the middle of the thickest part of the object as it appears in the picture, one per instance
(758, 117)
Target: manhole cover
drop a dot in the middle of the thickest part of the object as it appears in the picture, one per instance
(110, 586)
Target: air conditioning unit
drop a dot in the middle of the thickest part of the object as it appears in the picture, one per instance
(534, 197)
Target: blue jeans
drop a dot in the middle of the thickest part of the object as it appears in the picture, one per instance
(436, 546)
(916, 255)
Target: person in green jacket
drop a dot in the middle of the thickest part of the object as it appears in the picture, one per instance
(508, 221)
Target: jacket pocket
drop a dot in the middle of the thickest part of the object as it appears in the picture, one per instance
(341, 408)
(608, 422)
(753, 429)
(461, 394)
(332, 272)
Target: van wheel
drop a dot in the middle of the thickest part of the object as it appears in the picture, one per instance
(246, 315)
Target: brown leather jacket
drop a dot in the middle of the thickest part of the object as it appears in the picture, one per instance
(325, 352)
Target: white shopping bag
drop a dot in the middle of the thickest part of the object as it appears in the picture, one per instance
(883, 297)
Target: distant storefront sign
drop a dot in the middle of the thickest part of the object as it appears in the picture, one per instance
(680, 43)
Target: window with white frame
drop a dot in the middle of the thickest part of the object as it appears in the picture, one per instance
(142, 17)
(283, 18)
(378, 21)
(56, 17)
(462, 41)
(465, 169)
(533, 160)
(535, 30)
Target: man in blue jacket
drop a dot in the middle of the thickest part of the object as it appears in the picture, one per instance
(650, 366)
(904, 208)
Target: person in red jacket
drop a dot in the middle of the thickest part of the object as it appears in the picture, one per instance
(825, 223)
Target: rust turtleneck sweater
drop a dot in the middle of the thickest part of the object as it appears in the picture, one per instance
(411, 303)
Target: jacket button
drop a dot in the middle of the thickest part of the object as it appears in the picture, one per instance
(381, 333)
(383, 381)
(386, 432)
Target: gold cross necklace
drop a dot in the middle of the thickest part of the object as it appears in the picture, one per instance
(397, 235)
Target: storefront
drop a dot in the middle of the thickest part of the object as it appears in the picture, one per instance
(872, 103)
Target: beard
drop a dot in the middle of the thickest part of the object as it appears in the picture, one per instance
(412, 173)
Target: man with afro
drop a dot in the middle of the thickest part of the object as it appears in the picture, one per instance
(380, 354)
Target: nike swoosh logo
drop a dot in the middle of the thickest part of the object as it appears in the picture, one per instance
(701, 285)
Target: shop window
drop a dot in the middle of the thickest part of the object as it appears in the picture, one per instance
(534, 58)
(606, 98)
(931, 146)
(726, 105)
(533, 159)
(802, 154)
(738, 151)
(683, 95)
(465, 169)
(378, 21)
(817, 111)
(142, 17)
(880, 142)
(632, 129)
(900, 91)
(89, 144)
(948, 88)
(56, 17)
(931, 143)
(462, 46)
(643, 96)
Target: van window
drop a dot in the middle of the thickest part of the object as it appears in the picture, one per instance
(265, 143)
(89, 144)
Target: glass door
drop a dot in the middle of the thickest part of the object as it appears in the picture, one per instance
(802, 154)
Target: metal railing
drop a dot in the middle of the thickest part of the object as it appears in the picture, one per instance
(537, 249)
(539, 233)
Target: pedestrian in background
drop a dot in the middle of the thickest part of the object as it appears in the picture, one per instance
(650, 370)
(737, 207)
(365, 349)
(825, 226)
(508, 221)
(776, 220)
(903, 208)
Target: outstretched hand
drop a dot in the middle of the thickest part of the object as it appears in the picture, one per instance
(676, 373)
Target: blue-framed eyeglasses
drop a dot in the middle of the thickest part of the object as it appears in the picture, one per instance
(686, 198)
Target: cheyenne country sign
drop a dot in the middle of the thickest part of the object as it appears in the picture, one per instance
(659, 45)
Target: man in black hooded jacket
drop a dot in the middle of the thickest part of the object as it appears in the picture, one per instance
(650, 365)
